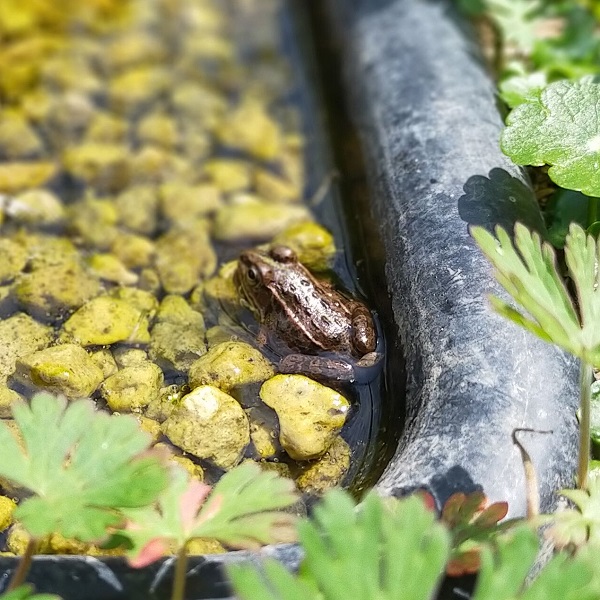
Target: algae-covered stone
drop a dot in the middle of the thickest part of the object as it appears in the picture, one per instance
(202, 546)
(17, 177)
(218, 293)
(313, 244)
(134, 250)
(104, 166)
(106, 128)
(158, 129)
(200, 104)
(256, 221)
(180, 202)
(94, 221)
(310, 414)
(177, 339)
(132, 388)
(7, 507)
(46, 250)
(51, 292)
(7, 398)
(17, 138)
(251, 129)
(229, 175)
(36, 207)
(275, 188)
(110, 268)
(230, 365)
(328, 471)
(137, 208)
(264, 432)
(106, 320)
(150, 426)
(105, 361)
(152, 164)
(149, 281)
(13, 257)
(183, 257)
(133, 49)
(144, 301)
(20, 335)
(137, 87)
(66, 369)
(168, 399)
(129, 357)
(210, 425)
(193, 469)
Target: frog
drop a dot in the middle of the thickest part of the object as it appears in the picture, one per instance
(332, 336)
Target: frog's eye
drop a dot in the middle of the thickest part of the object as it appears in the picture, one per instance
(253, 274)
(283, 254)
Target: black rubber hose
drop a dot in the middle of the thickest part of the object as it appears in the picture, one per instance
(426, 112)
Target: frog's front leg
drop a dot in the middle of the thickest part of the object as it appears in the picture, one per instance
(318, 367)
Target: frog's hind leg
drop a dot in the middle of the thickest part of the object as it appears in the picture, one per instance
(317, 367)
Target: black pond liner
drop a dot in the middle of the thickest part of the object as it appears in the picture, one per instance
(426, 116)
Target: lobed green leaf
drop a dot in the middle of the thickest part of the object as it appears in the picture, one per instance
(82, 465)
(560, 127)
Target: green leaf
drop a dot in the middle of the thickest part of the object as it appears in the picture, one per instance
(574, 527)
(243, 510)
(503, 573)
(520, 88)
(563, 208)
(527, 271)
(82, 465)
(26, 592)
(277, 583)
(595, 414)
(516, 20)
(561, 128)
(383, 549)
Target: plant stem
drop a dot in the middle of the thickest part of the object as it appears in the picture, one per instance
(593, 204)
(180, 572)
(21, 572)
(585, 393)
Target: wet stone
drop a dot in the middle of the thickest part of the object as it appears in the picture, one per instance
(20, 335)
(35, 207)
(210, 425)
(161, 407)
(132, 388)
(109, 268)
(256, 221)
(230, 365)
(326, 472)
(177, 338)
(310, 414)
(13, 257)
(184, 257)
(66, 369)
(312, 243)
(52, 292)
(137, 208)
(7, 398)
(105, 320)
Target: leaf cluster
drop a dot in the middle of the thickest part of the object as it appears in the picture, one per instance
(527, 271)
(243, 510)
(82, 465)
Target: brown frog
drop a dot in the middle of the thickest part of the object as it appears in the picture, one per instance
(307, 313)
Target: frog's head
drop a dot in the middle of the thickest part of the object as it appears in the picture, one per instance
(258, 273)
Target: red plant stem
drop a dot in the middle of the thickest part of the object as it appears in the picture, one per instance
(21, 572)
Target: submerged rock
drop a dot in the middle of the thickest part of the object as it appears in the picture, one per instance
(230, 365)
(20, 335)
(177, 338)
(312, 243)
(211, 425)
(65, 369)
(13, 257)
(36, 207)
(51, 292)
(132, 388)
(106, 320)
(310, 414)
(326, 472)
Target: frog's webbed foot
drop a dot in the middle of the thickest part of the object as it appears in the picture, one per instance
(318, 367)
(369, 360)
